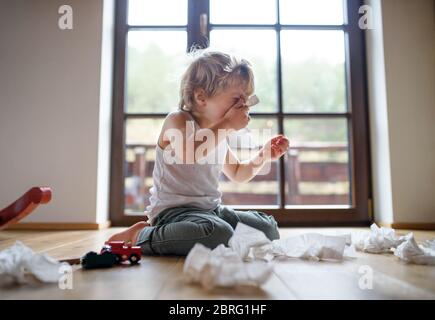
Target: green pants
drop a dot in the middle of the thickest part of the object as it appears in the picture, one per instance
(176, 230)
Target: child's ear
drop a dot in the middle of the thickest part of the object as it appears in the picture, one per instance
(200, 97)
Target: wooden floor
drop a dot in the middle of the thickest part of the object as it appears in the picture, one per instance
(161, 277)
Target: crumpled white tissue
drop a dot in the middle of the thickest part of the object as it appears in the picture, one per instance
(19, 261)
(247, 259)
(411, 252)
(377, 240)
(311, 246)
(246, 237)
(406, 248)
(251, 243)
(315, 246)
(223, 267)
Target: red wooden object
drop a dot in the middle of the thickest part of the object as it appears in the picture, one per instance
(24, 205)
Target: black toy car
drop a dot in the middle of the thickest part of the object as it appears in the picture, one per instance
(93, 260)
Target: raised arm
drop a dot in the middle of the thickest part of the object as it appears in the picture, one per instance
(185, 141)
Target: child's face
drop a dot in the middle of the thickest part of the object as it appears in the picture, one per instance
(219, 104)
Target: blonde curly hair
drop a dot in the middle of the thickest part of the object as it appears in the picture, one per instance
(213, 71)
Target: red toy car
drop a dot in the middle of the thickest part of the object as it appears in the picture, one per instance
(122, 251)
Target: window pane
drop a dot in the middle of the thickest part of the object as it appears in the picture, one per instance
(161, 12)
(311, 12)
(154, 65)
(262, 189)
(243, 11)
(259, 48)
(313, 71)
(143, 131)
(141, 138)
(317, 165)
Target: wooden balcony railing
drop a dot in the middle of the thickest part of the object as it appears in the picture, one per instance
(315, 174)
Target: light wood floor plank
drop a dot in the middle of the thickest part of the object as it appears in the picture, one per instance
(176, 287)
(161, 277)
(47, 240)
(142, 281)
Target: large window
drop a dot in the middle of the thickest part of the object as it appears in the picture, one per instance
(309, 63)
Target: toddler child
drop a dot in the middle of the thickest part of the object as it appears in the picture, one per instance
(192, 150)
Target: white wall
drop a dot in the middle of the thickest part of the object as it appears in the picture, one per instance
(378, 110)
(401, 59)
(105, 110)
(54, 108)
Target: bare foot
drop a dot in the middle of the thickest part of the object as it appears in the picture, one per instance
(129, 235)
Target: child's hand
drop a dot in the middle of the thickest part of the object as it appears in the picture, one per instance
(276, 147)
(237, 117)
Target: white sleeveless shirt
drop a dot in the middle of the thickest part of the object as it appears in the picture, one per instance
(180, 184)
